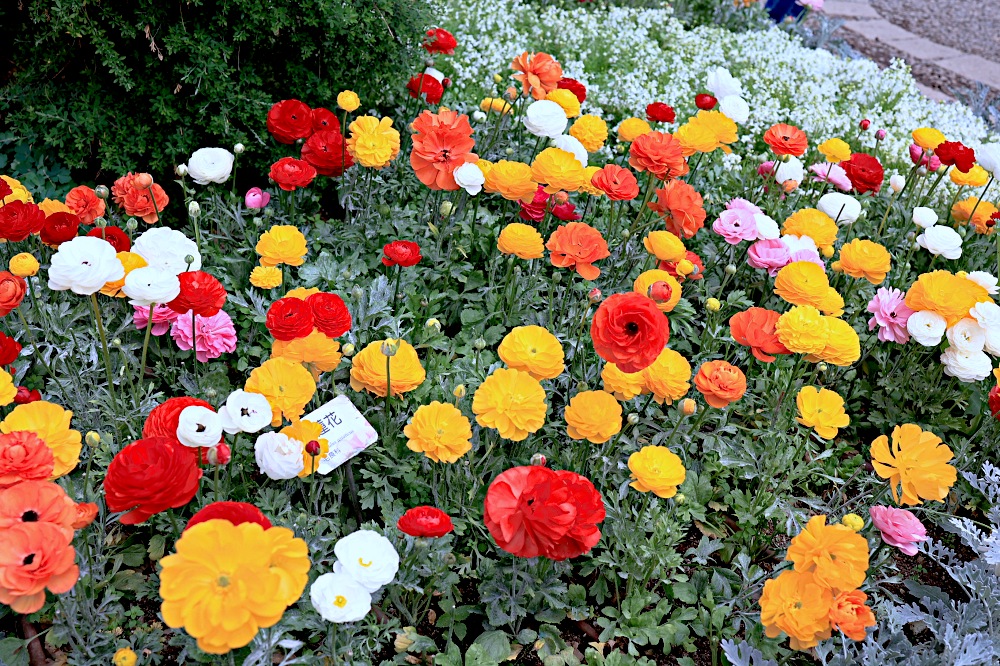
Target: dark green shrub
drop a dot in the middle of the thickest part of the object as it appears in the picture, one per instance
(126, 84)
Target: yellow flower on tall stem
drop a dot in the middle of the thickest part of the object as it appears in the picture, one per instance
(282, 244)
(594, 416)
(916, 463)
(512, 402)
(656, 469)
(372, 370)
(373, 143)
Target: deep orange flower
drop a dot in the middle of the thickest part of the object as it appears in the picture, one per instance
(659, 153)
(441, 144)
(86, 512)
(86, 204)
(720, 382)
(539, 73)
(24, 457)
(578, 245)
(754, 328)
(136, 200)
(681, 208)
(616, 182)
(786, 140)
(35, 556)
(850, 615)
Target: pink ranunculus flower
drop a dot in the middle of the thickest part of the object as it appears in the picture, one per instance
(737, 223)
(924, 158)
(216, 334)
(833, 174)
(891, 314)
(566, 212)
(162, 318)
(899, 528)
(771, 255)
(257, 198)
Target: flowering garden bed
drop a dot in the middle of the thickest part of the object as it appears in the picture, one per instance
(554, 383)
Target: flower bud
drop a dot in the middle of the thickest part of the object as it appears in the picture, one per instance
(836, 267)
(143, 181)
(853, 520)
(239, 148)
(424, 302)
(93, 439)
(730, 269)
(433, 323)
(390, 347)
(402, 642)
(383, 209)
(685, 267)
(357, 292)
(633, 418)
(660, 291)
(880, 135)
(680, 498)
(595, 296)
(194, 209)
(446, 82)
(497, 78)
(116, 342)
(561, 197)
(822, 367)
(511, 93)
(509, 151)
(348, 350)
(897, 183)
(102, 191)
(189, 259)
(538, 460)
(479, 344)
(478, 116)
(446, 208)
(220, 454)
(459, 391)
(688, 407)
(624, 234)
(713, 305)
(181, 170)
(131, 224)
(582, 386)
(100, 223)
(865, 124)
(312, 447)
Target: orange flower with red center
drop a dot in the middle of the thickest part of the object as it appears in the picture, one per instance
(660, 154)
(720, 382)
(681, 208)
(442, 142)
(578, 245)
(539, 73)
(786, 140)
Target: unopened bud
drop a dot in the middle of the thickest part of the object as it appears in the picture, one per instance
(102, 191)
(433, 323)
(100, 223)
(879, 135)
(390, 347)
(479, 344)
(624, 234)
(509, 151)
(680, 498)
(478, 116)
(189, 259)
(93, 439)
(131, 224)
(685, 267)
(633, 419)
(688, 407)
(897, 183)
(865, 124)
(312, 447)
(117, 342)
(713, 305)
(143, 181)
(497, 78)
(220, 454)
(357, 292)
(511, 93)
(561, 197)
(446, 208)
(181, 170)
(853, 520)
(402, 642)
(194, 209)
(595, 296)
(582, 386)
(239, 148)
(538, 460)
(660, 291)
(348, 350)
(822, 367)
(730, 269)
(211, 392)
(836, 267)
(459, 391)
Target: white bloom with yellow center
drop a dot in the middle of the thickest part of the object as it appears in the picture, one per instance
(340, 598)
(367, 557)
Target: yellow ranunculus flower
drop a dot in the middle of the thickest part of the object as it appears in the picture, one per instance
(130, 262)
(305, 432)
(946, 294)
(977, 177)
(587, 185)
(822, 410)
(796, 604)
(660, 286)
(853, 521)
(567, 100)
(623, 385)
(835, 150)
(511, 180)
(866, 259)
(50, 423)
(705, 132)
(591, 131)
(8, 390)
(512, 402)
(495, 104)
(20, 192)
(315, 351)
(287, 386)
(665, 246)
(656, 469)
(302, 293)
(917, 463)
(50, 206)
(802, 283)
(558, 169)
(594, 416)
(534, 350)
(631, 129)
(928, 138)
(373, 143)
(669, 377)
(266, 277)
(803, 330)
(368, 368)
(440, 431)
(521, 240)
(124, 657)
(835, 554)
(348, 100)
(24, 265)
(282, 244)
(814, 223)
(962, 211)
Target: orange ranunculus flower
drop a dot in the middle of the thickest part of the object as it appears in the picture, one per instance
(850, 615)
(137, 201)
(578, 245)
(798, 605)
(720, 382)
(950, 296)
(539, 73)
(616, 182)
(862, 258)
(86, 512)
(37, 502)
(660, 154)
(33, 557)
(681, 208)
(962, 211)
(786, 140)
(12, 292)
(86, 204)
(442, 142)
(24, 457)
(754, 328)
(835, 554)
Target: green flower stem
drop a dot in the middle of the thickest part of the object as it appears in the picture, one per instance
(104, 350)
(145, 344)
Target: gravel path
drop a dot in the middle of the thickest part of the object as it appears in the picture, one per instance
(967, 25)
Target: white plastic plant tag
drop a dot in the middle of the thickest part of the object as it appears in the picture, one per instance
(347, 431)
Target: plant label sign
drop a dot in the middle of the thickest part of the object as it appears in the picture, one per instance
(344, 427)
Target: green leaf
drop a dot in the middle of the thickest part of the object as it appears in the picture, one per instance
(496, 644)
(13, 652)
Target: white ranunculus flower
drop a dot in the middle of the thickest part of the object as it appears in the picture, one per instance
(842, 208)
(722, 84)
(897, 183)
(984, 280)
(199, 426)
(84, 265)
(245, 412)
(545, 118)
(940, 240)
(967, 335)
(167, 249)
(767, 228)
(926, 327)
(971, 366)
(367, 557)
(145, 286)
(339, 598)
(735, 108)
(279, 456)
(470, 178)
(988, 156)
(798, 243)
(478, 116)
(924, 217)
(210, 165)
(987, 314)
(572, 145)
(791, 169)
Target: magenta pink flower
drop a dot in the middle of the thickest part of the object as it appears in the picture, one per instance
(257, 198)
(535, 211)
(772, 255)
(899, 528)
(737, 224)
(566, 212)
(162, 318)
(216, 334)
(924, 158)
(891, 314)
(833, 174)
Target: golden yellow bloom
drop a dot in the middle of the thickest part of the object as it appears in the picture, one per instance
(632, 128)
(50, 423)
(305, 432)
(512, 402)
(656, 469)
(368, 368)
(373, 143)
(316, 352)
(130, 262)
(50, 206)
(594, 416)
(866, 259)
(813, 223)
(661, 286)
(8, 390)
(798, 605)
(124, 657)
(802, 283)
(565, 99)
(532, 349)
(705, 132)
(835, 554)
(302, 293)
(282, 244)
(928, 138)
(521, 240)
(962, 212)
(266, 277)
(484, 165)
(623, 385)
(853, 521)
(917, 463)
(832, 303)
(24, 265)
(587, 185)
(835, 150)
(287, 386)
(495, 104)
(20, 192)
(843, 347)
(440, 431)
(669, 377)
(348, 100)
(557, 169)
(511, 180)
(803, 330)
(665, 246)
(977, 177)
(948, 295)
(591, 131)
(226, 582)
(822, 410)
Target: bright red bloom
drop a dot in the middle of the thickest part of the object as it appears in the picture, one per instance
(201, 293)
(534, 511)
(705, 102)
(25, 396)
(236, 513)
(10, 349)
(442, 142)
(289, 319)
(330, 314)
(162, 421)
(425, 521)
(290, 174)
(994, 402)
(440, 40)
(149, 476)
(658, 112)
(574, 87)
(697, 274)
(535, 211)
(566, 212)
(114, 235)
(401, 253)
(427, 85)
(325, 152)
(956, 154)
(324, 119)
(5, 189)
(290, 120)
(18, 220)
(864, 171)
(630, 331)
(59, 228)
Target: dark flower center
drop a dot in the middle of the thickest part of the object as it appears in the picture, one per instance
(28, 559)
(631, 328)
(29, 517)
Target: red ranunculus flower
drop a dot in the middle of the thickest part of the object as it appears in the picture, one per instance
(289, 319)
(162, 421)
(201, 293)
(289, 120)
(5, 189)
(330, 314)
(425, 521)
(566, 212)
(149, 476)
(290, 174)
(59, 228)
(10, 349)
(574, 87)
(697, 274)
(236, 513)
(658, 112)
(534, 511)
(630, 331)
(705, 102)
(401, 253)
(956, 154)
(427, 85)
(535, 211)
(12, 291)
(25, 395)
(114, 235)
(440, 40)
(865, 172)
(220, 454)
(325, 152)
(18, 220)
(994, 402)
(324, 119)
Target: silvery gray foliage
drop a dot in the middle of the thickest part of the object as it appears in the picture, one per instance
(743, 654)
